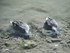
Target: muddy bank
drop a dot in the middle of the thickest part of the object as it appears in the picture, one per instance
(61, 44)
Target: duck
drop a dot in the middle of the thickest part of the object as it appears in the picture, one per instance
(20, 26)
(51, 24)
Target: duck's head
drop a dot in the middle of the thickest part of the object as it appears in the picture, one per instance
(14, 23)
(48, 18)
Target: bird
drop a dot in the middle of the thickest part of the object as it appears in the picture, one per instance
(21, 27)
(51, 24)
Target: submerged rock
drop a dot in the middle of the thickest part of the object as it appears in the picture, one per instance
(52, 40)
(28, 44)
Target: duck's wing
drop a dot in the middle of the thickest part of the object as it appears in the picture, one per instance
(25, 27)
(54, 23)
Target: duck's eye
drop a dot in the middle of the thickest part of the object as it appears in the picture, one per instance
(14, 24)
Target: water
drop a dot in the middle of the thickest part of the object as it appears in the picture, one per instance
(28, 10)
(35, 11)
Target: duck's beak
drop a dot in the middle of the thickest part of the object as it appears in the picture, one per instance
(47, 18)
(11, 22)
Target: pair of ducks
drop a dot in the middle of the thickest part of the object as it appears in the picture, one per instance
(49, 24)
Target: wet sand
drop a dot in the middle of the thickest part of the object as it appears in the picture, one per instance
(35, 12)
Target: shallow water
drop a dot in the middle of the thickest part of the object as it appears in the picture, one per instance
(26, 10)
(35, 11)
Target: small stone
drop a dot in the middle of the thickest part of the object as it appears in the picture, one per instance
(6, 44)
(1, 30)
(68, 26)
(62, 42)
(56, 45)
(55, 49)
(48, 40)
(56, 40)
(68, 42)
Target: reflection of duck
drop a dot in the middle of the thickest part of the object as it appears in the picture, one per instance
(20, 26)
(51, 24)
